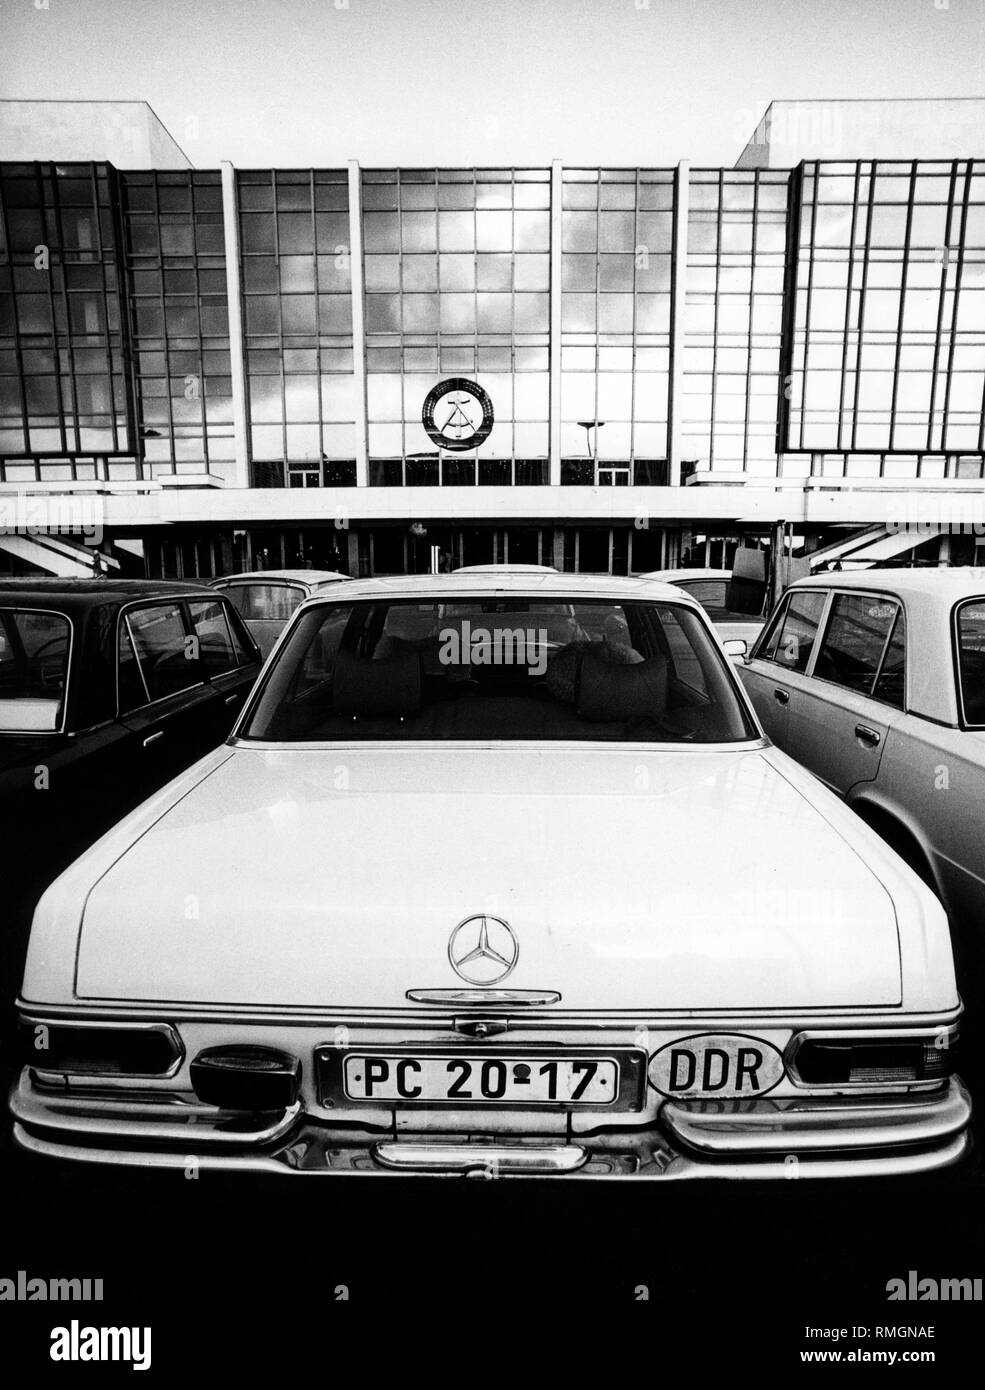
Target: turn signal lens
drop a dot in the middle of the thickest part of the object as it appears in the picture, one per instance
(870, 1061)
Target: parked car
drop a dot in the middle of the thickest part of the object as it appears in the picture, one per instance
(108, 688)
(710, 587)
(492, 907)
(266, 599)
(875, 680)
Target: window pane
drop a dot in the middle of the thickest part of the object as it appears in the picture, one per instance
(167, 661)
(33, 670)
(399, 671)
(971, 660)
(891, 685)
(457, 272)
(799, 630)
(215, 646)
(854, 641)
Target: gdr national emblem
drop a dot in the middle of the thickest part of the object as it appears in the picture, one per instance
(457, 414)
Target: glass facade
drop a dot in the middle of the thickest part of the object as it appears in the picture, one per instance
(617, 264)
(297, 299)
(823, 321)
(65, 362)
(733, 318)
(457, 284)
(888, 332)
(176, 264)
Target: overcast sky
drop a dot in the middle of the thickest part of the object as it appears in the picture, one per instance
(482, 82)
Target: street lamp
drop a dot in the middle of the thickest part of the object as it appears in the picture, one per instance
(595, 425)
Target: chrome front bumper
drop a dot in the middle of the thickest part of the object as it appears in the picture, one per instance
(809, 1137)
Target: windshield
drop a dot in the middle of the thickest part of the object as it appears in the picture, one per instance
(33, 670)
(506, 668)
(265, 601)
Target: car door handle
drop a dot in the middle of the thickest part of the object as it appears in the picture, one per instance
(866, 735)
(152, 738)
(783, 696)
(231, 699)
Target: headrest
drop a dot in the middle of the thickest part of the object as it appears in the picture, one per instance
(367, 688)
(403, 620)
(607, 692)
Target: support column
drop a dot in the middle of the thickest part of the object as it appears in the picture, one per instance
(555, 349)
(675, 402)
(358, 320)
(237, 359)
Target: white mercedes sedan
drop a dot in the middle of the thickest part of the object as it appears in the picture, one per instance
(496, 875)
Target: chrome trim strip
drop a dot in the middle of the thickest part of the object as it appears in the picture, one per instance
(401, 1016)
(484, 1159)
(639, 1164)
(158, 1117)
(822, 1125)
(484, 997)
(123, 1158)
(755, 743)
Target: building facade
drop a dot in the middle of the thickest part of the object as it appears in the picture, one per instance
(601, 368)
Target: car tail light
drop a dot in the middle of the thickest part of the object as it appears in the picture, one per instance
(101, 1049)
(870, 1061)
(245, 1077)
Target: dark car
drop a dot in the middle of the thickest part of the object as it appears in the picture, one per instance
(108, 688)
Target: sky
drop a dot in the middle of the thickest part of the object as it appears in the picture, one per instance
(311, 83)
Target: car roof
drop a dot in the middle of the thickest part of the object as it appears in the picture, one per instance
(950, 582)
(296, 576)
(673, 576)
(547, 584)
(45, 591)
(506, 569)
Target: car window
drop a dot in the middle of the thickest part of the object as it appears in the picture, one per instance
(890, 684)
(217, 650)
(246, 647)
(156, 656)
(132, 688)
(710, 593)
(687, 666)
(971, 660)
(34, 649)
(790, 638)
(265, 602)
(855, 640)
(500, 669)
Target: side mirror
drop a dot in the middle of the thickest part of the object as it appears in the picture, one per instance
(736, 648)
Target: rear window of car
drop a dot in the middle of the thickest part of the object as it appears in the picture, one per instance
(499, 669)
(265, 601)
(710, 593)
(864, 647)
(789, 638)
(970, 637)
(34, 652)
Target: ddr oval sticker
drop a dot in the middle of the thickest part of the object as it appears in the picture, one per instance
(716, 1066)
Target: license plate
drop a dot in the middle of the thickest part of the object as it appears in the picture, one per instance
(404, 1079)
